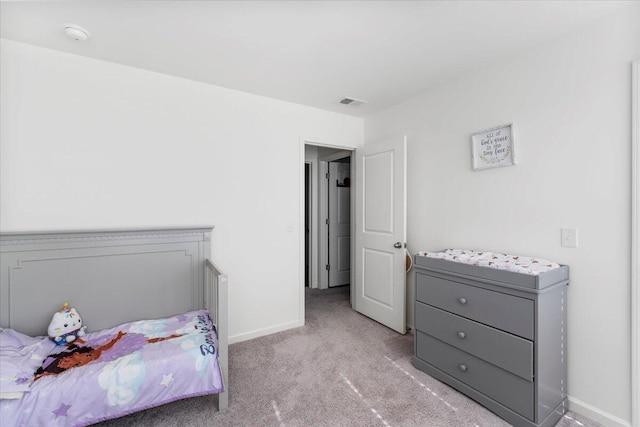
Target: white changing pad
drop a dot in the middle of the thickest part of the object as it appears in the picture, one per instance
(515, 263)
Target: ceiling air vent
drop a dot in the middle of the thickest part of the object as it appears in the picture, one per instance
(352, 102)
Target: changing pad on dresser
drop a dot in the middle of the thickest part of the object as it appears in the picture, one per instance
(515, 263)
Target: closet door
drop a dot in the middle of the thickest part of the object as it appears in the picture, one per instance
(339, 224)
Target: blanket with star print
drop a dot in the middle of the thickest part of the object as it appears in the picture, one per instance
(118, 371)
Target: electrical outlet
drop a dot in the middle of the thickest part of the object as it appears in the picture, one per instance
(569, 237)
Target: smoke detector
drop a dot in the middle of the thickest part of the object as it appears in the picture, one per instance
(353, 102)
(76, 32)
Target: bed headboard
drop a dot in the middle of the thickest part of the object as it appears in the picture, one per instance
(110, 277)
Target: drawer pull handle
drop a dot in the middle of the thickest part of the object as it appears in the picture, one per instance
(462, 367)
(462, 300)
(461, 335)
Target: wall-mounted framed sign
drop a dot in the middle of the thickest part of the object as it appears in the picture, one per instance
(493, 148)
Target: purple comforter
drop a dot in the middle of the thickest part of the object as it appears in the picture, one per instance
(121, 370)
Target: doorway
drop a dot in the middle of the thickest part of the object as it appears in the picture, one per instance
(327, 217)
(380, 166)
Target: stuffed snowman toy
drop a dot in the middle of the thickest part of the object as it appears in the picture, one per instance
(66, 326)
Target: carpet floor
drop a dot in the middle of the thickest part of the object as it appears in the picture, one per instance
(340, 369)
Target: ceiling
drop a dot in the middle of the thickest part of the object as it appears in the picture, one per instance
(307, 52)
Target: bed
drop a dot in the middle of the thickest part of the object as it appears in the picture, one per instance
(156, 310)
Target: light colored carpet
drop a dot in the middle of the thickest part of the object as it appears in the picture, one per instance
(340, 369)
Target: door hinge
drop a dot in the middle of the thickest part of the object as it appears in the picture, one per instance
(326, 175)
(326, 221)
(328, 267)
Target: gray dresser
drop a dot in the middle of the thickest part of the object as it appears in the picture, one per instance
(495, 335)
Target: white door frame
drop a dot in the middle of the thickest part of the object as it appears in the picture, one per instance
(311, 187)
(635, 245)
(322, 229)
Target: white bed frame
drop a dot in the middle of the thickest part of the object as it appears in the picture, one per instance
(112, 277)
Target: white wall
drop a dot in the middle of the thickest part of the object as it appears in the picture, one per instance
(569, 102)
(92, 144)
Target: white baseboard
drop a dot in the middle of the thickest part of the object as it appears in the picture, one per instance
(266, 331)
(596, 414)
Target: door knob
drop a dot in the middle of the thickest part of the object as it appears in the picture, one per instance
(397, 245)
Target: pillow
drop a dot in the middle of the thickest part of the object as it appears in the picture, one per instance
(20, 356)
(14, 395)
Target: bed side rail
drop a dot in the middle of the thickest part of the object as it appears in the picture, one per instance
(216, 301)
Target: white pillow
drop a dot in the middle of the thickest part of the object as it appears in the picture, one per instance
(11, 395)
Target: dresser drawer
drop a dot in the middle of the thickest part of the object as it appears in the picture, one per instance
(510, 352)
(505, 388)
(506, 312)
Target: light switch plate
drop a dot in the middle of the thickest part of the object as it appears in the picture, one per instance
(569, 237)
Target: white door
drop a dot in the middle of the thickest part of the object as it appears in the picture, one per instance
(339, 224)
(380, 234)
